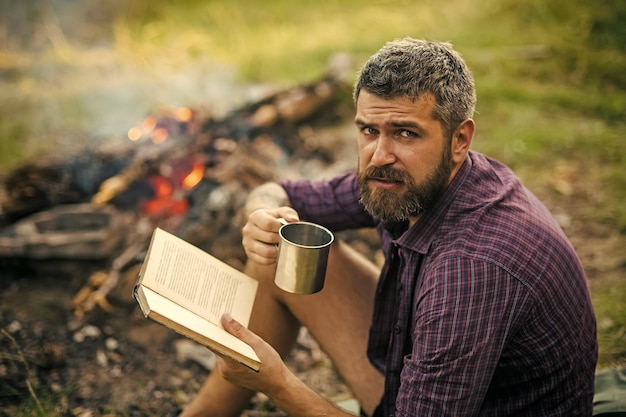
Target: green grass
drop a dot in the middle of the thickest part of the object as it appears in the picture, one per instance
(608, 297)
(283, 40)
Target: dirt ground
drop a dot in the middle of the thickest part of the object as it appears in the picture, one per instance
(113, 363)
(117, 363)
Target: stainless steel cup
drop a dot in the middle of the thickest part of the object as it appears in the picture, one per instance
(302, 257)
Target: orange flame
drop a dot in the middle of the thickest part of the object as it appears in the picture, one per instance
(195, 176)
(162, 187)
(164, 202)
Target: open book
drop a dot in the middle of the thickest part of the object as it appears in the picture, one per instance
(186, 289)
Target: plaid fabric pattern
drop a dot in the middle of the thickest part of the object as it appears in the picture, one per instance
(482, 307)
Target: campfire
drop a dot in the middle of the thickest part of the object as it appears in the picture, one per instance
(177, 170)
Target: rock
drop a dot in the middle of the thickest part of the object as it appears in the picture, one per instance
(186, 350)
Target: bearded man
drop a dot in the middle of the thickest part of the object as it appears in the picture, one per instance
(481, 307)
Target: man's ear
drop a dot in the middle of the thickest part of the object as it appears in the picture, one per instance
(462, 139)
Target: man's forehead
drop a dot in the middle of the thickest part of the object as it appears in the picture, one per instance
(371, 104)
(425, 96)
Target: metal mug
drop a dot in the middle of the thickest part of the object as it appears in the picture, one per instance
(302, 257)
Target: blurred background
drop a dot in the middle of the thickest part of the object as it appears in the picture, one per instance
(550, 77)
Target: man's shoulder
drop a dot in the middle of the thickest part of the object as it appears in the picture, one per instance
(495, 219)
(494, 204)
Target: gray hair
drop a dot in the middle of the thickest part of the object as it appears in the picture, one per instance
(411, 67)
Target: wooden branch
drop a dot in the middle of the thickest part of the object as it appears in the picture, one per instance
(98, 286)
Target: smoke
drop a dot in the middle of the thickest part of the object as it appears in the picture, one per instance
(78, 82)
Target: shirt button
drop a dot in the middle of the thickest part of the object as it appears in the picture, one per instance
(397, 329)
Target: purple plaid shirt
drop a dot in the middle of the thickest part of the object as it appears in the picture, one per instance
(482, 307)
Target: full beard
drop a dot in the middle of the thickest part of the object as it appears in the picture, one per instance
(408, 201)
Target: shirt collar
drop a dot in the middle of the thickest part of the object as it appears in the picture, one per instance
(421, 235)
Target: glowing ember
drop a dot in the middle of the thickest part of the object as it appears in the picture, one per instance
(134, 133)
(148, 125)
(164, 202)
(159, 127)
(145, 128)
(183, 114)
(195, 176)
(162, 187)
(165, 207)
(159, 135)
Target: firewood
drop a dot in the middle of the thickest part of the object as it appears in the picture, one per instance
(100, 284)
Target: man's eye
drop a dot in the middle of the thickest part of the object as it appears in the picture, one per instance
(368, 131)
(408, 134)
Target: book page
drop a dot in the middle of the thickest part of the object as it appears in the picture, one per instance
(188, 324)
(197, 280)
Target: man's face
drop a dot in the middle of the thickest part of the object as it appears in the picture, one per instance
(404, 158)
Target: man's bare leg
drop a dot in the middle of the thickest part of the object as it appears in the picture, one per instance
(338, 317)
(270, 320)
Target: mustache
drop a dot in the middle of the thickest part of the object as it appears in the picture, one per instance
(385, 173)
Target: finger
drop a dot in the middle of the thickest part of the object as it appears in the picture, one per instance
(264, 230)
(268, 219)
(238, 330)
(288, 214)
(259, 252)
(256, 243)
(264, 220)
(261, 260)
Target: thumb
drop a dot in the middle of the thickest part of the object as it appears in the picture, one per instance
(238, 330)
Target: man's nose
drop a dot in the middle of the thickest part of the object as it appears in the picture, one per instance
(384, 153)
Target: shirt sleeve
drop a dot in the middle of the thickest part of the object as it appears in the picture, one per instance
(333, 203)
(466, 311)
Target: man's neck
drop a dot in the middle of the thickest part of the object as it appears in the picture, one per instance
(413, 220)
